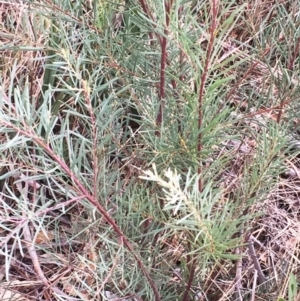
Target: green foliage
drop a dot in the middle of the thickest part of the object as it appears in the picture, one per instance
(293, 287)
(158, 209)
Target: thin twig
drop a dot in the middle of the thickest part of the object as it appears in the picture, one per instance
(238, 277)
(254, 286)
(36, 264)
(252, 253)
(94, 135)
(33, 255)
(191, 268)
(109, 275)
(213, 27)
(148, 13)
(164, 58)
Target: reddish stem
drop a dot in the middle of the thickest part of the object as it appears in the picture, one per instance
(163, 63)
(202, 84)
(191, 261)
(294, 55)
(148, 14)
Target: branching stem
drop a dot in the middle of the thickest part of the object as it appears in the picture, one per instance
(89, 197)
